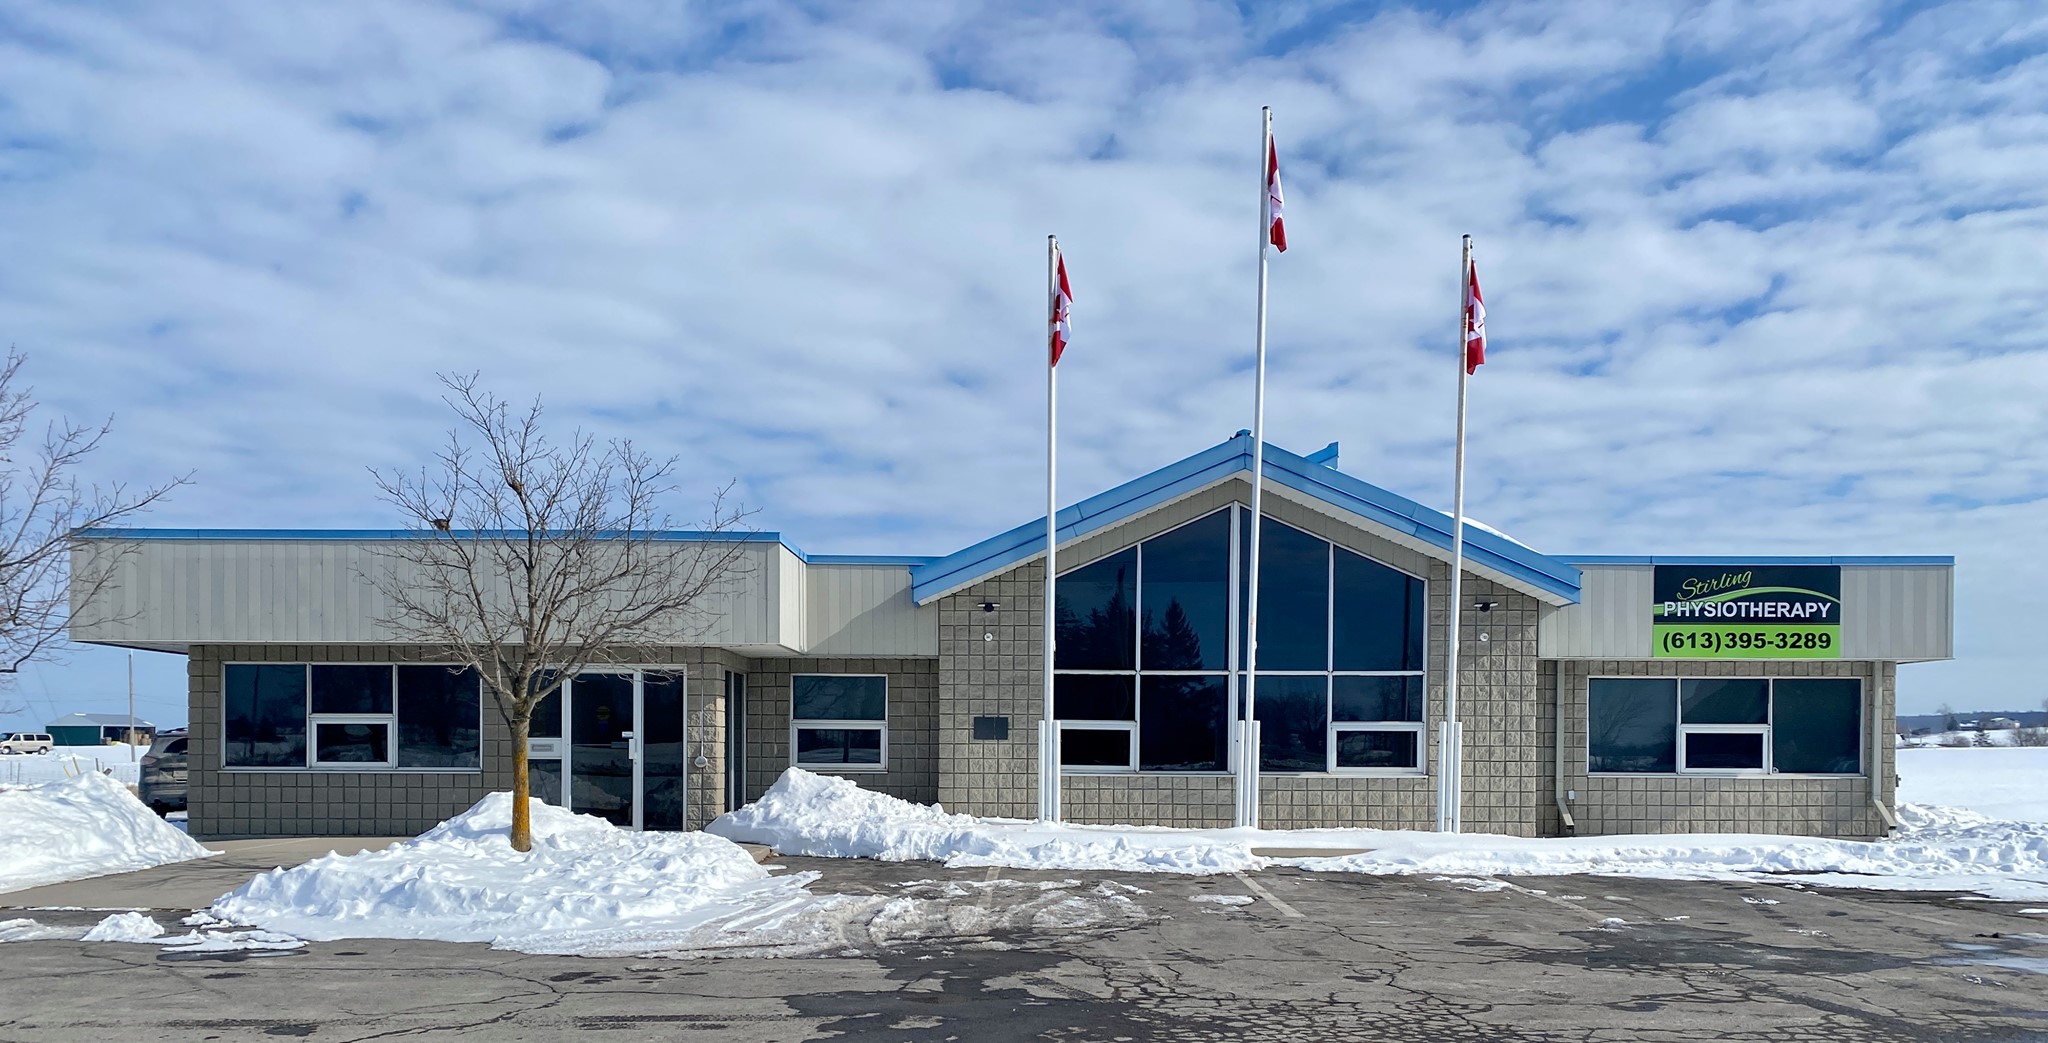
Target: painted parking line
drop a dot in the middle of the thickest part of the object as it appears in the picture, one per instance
(988, 891)
(1259, 889)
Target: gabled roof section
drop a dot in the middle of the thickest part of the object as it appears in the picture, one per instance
(1315, 476)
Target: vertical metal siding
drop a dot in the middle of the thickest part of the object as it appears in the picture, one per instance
(867, 610)
(1898, 612)
(171, 592)
(1611, 620)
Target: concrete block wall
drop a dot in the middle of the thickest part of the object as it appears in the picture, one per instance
(991, 665)
(225, 804)
(1800, 805)
(913, 758)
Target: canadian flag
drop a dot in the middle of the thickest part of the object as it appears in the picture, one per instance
(1062, 306)
(1475, 322)
(1276, 231)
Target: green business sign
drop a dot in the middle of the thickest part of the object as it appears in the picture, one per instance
(1747, 612)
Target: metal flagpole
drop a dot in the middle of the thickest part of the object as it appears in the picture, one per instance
(131, 706)
(1048, 727)
(1451, 746)
(1248, 754)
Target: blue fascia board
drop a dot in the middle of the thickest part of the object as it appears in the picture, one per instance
(1880, 560)
(675, 535)
(1302, 474)
(1100, 511)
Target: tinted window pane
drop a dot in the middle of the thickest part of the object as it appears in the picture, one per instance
(1377, 750)
(1187, 596)
(1724, 701)
(1098, 622)
(544, 779)
(1094, 697)
(664, 752)
(1632, 724)
(1294, 598)
(1293, 717)
(823, 697)
(1182, 724)
(351, 689)
(352, 743)
(838, 746)
(438, 717)
(1376, 698)
(1095, 748)
(1711, 750)
(1817, 725)
(265, 710)
(547, 718)
(1378, 622)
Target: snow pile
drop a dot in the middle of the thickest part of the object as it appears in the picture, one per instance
(2005, 783)
(807, 814)
(125, 927)
(1936, 849)
(75, 828)
(586, 886)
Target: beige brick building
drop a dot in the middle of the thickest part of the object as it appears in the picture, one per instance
(1597, 695)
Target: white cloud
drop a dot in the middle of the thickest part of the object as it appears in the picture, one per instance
(1763, 276)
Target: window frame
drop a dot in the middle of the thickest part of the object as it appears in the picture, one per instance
(1416, 728)
(1130, 730)
(389, 721)
(1235, 672)
(798, 724)
(1767, 730)
(314, 765)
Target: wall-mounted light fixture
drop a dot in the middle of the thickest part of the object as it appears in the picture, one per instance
(1484, 606)
(991, 606)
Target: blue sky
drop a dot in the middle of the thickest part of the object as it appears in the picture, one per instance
(1762, 277)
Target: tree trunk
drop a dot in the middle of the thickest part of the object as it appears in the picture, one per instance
(522, 816)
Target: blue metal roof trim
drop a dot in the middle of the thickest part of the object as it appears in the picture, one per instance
(675, 535)
(1764, 559)
(1307, 475)
(1096, 512)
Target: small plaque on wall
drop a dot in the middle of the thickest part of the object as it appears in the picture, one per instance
(997, 728)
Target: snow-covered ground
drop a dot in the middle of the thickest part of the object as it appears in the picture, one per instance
(75, 828)
(1937, 848)
(65, 762)
(590, 888)
(2003, 783)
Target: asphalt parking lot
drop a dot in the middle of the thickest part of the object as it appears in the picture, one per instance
(1280, 955)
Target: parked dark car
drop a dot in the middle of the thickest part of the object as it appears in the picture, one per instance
(161, 784)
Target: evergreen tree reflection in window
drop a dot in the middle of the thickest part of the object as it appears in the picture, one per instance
(1186, 598)
(1097, 615)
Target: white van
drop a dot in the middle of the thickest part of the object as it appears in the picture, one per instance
(26, 742)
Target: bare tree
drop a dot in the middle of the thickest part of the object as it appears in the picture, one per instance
(43, 506)
(536, 560)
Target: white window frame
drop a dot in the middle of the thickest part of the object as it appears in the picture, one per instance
(1416, 728)
(797, 724)
(1130, 730)
(312, 763)
(388, 720)
(1762, 731)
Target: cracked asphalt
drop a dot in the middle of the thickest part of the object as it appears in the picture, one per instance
(1286, 956)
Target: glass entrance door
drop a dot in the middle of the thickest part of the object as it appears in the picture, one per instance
(615, 745)
(602, 764)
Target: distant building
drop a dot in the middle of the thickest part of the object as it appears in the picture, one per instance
(2000, 724)
(98, 729)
